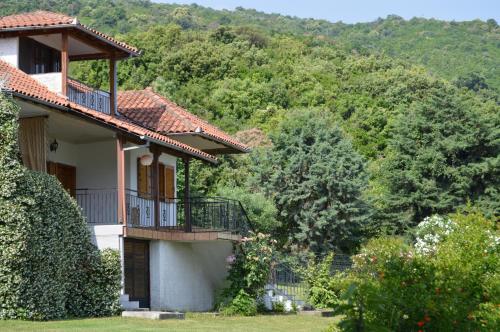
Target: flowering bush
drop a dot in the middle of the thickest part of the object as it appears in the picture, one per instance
(430, 232)
(451, 285)
(249, 269)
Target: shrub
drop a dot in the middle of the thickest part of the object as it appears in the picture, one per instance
(320, 285)
(454, 287)
(243, 304)
(49, 267)
(248, 274)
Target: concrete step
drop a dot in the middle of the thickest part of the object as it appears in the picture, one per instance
(157, 315)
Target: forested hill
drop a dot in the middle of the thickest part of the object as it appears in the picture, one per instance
(357, 128)
(448, 49)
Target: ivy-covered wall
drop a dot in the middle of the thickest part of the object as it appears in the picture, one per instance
(49, 267)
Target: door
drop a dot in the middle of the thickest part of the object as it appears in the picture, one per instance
(66, 174)
(137, 271)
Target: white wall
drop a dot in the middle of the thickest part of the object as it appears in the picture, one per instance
(53, 81)
(107, 236)
(185, 276)
(96, 167)
(67, 153)
(9, 51)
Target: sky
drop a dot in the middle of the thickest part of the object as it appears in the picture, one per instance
(353, 11)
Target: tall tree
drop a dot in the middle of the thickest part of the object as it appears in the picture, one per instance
(444, 152)
(317, 181)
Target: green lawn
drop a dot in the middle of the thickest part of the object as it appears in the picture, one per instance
(192, 323)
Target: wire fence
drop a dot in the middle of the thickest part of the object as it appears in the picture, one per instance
(287, 276)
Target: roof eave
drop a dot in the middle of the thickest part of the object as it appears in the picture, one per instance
(80, 27)
(233, 148)
(82, 115)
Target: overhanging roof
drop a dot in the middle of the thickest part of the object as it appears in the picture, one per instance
(160, 114)
(45, 23)
(26, 87)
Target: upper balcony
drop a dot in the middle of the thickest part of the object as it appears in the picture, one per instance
(82, 94)
(42, 44)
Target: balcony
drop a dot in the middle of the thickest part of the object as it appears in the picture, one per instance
(198, 214)
(82, 94)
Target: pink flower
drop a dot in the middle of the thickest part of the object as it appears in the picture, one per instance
(230, 259)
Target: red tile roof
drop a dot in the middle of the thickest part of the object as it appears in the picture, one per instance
(22, 84)
(162, 115)
(43, 19)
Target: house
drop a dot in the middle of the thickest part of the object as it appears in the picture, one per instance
(117, 154)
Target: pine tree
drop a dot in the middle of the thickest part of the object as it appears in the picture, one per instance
(443, 154)
(317, 180)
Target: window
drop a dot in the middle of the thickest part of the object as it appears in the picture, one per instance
(36, 58)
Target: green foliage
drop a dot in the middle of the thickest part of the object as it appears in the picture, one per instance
(321, 292)
(393, 287)
(242, 304)
(244, 69)
(317, 180)
(248, 273)
(443, 153)
(260, 209)
(49, 267)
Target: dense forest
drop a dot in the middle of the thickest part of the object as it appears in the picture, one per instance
(357, 129)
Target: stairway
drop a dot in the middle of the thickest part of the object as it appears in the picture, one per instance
(130, 305)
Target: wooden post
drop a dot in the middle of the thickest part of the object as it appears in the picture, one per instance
(112, 86)
(64, 63)
(120, 163)
(155, 184)
(187, 207)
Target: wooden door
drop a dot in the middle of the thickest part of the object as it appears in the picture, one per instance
(137, 271)
(66, 174)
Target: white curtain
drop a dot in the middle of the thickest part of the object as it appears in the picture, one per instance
(32, 142)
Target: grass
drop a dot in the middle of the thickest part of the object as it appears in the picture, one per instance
(192, 323)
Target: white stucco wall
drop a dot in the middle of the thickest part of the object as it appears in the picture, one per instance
(96, 167)
(107, 236)
(95, 162)
(9, 50)
(185, 276)
(53, 81)
(66, 153)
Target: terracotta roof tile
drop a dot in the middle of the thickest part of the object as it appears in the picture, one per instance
(17, 81)
(162, 115)
(40, 19)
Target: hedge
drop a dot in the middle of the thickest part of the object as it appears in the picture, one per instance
(49, 268)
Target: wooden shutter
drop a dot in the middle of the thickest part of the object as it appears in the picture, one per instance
(143, 179)
(170, 182)
(161, 181)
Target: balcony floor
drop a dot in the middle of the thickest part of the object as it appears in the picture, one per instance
(178, 235)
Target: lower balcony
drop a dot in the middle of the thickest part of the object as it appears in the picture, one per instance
(194, 215)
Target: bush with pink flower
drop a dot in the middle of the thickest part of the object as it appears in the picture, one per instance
(249, 269)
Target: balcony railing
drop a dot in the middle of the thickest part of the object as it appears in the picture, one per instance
(206, 214)
(89, 97)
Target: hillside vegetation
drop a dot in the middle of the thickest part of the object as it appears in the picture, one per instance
(403, 135)
(448, 49)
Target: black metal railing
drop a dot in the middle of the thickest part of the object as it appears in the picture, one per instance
(205, 214)
(89, 97)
